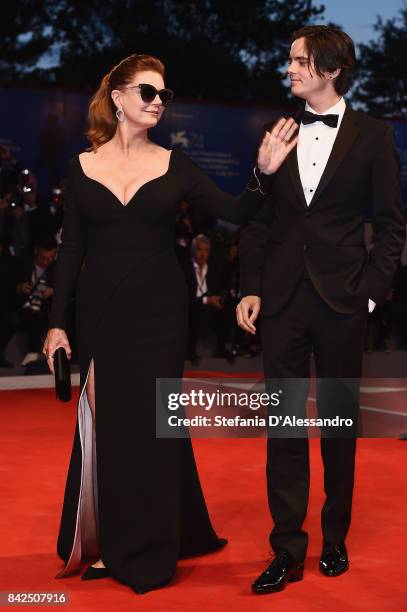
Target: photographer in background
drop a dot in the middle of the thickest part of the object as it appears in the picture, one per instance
(16, 225)
(43, 219)
(21, 219)
(35, 218)
(33, 284)
(54, 214)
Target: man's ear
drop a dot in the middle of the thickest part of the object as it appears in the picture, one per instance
(330, 76)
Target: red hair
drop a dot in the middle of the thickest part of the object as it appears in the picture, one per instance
(102, 120)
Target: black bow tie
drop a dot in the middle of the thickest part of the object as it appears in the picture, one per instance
(330, 120)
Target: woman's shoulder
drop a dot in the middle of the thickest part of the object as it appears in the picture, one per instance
(75, 160)
(83, 158)
(177, 158)
(84, 154)
(76, 165)
(161, 152)
(181, 155)
(185, 161)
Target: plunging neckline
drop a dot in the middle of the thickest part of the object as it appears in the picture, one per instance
(89, 178)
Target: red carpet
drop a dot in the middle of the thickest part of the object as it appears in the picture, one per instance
(36, 438)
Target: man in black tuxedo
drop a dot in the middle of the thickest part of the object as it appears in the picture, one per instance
(305, 269)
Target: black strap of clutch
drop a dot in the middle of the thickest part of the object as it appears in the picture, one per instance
(62, 375)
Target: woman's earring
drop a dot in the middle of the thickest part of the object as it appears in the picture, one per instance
(120, 114)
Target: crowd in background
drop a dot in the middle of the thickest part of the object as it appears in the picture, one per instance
(30, 231)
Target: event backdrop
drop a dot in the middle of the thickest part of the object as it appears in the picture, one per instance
(45, 128)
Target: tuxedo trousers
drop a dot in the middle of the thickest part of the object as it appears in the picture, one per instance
(307, 325)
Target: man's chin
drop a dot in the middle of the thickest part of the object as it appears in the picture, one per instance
(298, 92)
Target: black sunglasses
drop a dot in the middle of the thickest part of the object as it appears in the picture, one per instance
(149, 92)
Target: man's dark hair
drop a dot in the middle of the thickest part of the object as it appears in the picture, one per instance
(329, 48)
(46, 243)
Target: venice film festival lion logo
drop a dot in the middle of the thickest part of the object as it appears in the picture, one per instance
(187, 140)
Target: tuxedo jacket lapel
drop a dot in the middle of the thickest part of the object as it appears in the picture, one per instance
(292, 163)
(347, 133)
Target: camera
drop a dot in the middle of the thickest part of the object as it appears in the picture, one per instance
(35, 299)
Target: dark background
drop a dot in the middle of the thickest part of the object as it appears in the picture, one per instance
(226, 62)
(213, 50)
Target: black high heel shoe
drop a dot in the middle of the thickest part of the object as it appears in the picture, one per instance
(93, 573)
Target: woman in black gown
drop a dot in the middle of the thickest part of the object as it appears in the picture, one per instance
(132, 501)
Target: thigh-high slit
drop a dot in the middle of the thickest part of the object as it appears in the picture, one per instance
(85, 542)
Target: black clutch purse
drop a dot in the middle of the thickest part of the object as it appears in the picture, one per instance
(62, 375)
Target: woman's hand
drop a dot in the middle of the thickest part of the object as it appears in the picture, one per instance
(56, 337)
(247, 311)
(276, 145)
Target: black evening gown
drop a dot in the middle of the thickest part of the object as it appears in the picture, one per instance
(131, 498)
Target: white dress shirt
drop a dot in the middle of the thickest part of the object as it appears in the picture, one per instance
(37, 273)
(201, 285)
(313, 150)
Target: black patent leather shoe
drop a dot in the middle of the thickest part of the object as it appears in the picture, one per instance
(284, 568)
(334, 560)
(93, 573)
